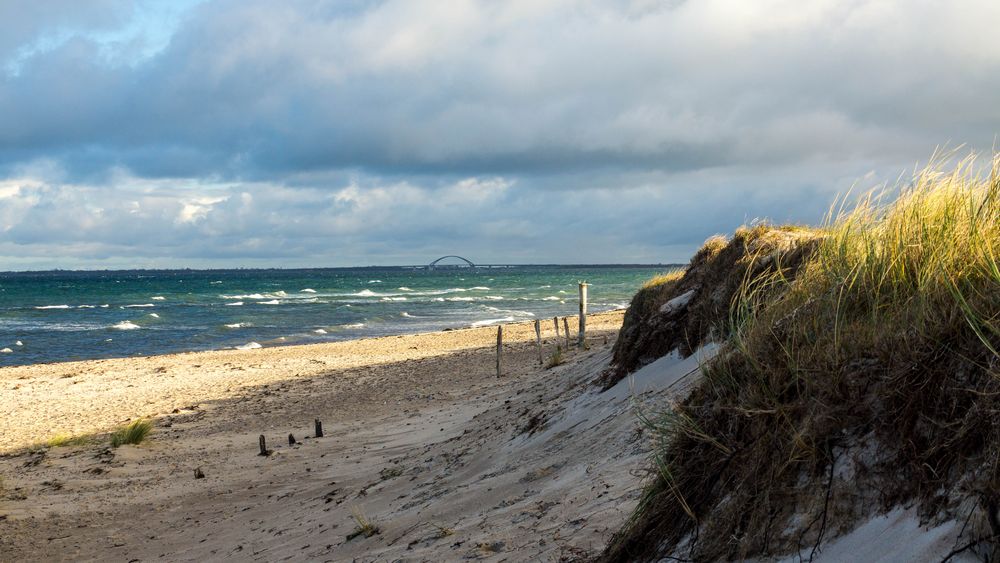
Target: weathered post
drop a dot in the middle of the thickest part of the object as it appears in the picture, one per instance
(555, 323)
(582, 336)
(499, 347)
(538, 340)
(319, 429)
(263, 446)
(291, 440)
(566, 330)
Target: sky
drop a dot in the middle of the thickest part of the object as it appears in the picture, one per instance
(292, 133)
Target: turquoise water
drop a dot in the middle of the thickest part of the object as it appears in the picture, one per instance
(58, 316)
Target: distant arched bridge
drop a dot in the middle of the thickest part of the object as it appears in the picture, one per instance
(466, 260)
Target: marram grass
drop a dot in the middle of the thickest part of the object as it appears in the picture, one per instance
(884, 340)
(132, 433)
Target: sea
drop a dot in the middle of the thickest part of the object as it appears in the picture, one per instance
(81, 315)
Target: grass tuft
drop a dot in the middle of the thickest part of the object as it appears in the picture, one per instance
(132, 433)
(364, 526)
(63, 440)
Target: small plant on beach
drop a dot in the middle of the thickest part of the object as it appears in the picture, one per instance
(364, 526)
(63, 440)
(556, 358)
(132, 433)
(443, 531)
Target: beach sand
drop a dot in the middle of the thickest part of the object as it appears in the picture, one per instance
(448, 461)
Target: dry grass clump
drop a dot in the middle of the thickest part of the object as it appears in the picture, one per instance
(880, 358)
(132, 433)
(364, 526)
(556, 358)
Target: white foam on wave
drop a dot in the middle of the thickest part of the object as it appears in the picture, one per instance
(562, 291)
(280, 294)
(44, 307)
(159, 298)
(125, 325)
(479, 288)
(550, 298)
(404, 288)
(488, 322)
(247, 296)
(353, 325)
(438, 299)
(460, 299)
(238, 325)
(374, 281)
(138, 306)
(85, 306)
(6, 351)
(216, 282)
(319, 331)
(366, 293)
(494, 297)
(154, 315)
(234, 304)
(248, 346)
(393, 299)
(19, 343)
(105, 306)
(271, 302)
(307, 290)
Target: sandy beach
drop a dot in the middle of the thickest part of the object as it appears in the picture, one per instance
(421, 438)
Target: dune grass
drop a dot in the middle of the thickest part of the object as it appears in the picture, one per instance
(132, 433)
(886, 341)
(64, 440)
(363, 525)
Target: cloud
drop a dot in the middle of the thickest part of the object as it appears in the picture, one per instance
(249, 125)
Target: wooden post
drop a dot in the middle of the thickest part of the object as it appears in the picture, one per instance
(291, 440)
(555, 323)
(581, 337)
(499, 347)
(263, 446)
(538, 340)
(319, 429)
(566, 330)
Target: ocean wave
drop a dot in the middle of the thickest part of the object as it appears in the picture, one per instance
(550, 298)
(158, 298)
(479, 288)
(374, 281)
(460, 299)
(404, 288)
(307, 290)
(125, 325)
(138, 306)
(19, 343)
(6, 351)
(494, 297)
(44, 307)
(488, 322)
(366, 293)
(86, 306)
(393, 299)
(279, 293)
(319, 331)
(248, 346)
(234, 304)
(154, 315)
(353, 325)
(271, 302)
(239, 325)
